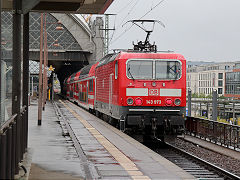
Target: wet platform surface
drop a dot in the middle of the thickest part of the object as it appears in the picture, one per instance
(51, 150)
(110, 153)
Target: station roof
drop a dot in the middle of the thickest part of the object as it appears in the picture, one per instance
(63, 6)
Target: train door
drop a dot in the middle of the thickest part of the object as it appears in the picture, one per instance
(110, 93)
(80, 92)
(87, 92)
(95, 90)
(71, 91)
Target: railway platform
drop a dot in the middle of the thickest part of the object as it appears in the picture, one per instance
(73, 144)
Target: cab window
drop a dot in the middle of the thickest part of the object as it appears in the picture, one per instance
(116, 69)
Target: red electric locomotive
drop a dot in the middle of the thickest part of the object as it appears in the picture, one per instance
(143, 90)
(139, 89)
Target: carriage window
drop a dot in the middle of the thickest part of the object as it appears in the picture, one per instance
(116, 70)
(140, 69)
(91, 85)
(168, 70)
(82, 94)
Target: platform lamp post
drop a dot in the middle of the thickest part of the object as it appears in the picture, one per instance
(45, 79)
(45, 63)
(40, 75)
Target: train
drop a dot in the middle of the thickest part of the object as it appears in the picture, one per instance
(143, 91)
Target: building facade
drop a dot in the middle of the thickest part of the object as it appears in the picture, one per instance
(205, 78)
(233, 82)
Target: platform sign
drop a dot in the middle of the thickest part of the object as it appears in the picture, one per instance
(51, 68)
(186, 111)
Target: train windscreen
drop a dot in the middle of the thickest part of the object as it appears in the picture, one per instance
(154, 69)
(140, 69)
(168, 70)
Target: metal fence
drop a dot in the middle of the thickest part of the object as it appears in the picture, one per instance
(13, 144)
(213, 131)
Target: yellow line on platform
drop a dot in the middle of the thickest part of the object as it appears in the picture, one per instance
(123, 160)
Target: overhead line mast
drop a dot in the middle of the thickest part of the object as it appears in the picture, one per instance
(106, 30)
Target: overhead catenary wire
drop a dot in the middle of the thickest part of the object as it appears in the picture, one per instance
(130, 2)
(121, 34)
(152, 8)
(129, 12)
(139, 19)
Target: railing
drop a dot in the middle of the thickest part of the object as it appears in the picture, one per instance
(13, 144)
(213, 131)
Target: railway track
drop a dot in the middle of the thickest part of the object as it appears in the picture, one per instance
(199, 168)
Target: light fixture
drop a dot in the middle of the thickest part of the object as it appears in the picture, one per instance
(59, 28)
(130, 101)
(138, 101)
(168, 102)
(177, 102)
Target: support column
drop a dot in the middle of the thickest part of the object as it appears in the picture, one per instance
(16, 75)
(40, 76)
(214, 106)
(200, 109)
(53, 85)
(234, 114)
(25, 75)
(189, 102)
(45, 63)
(207, 110)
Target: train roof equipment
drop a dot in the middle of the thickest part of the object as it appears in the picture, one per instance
(145, 46)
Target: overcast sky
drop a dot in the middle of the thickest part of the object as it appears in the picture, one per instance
(207, 30)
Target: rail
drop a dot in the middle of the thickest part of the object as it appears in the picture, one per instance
(13, 144)
(213, 131)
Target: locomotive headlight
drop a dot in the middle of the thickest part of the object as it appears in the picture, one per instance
(177, 102)
(169, 102)
(130, 101)
(138, 101)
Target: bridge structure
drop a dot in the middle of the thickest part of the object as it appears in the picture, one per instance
(70, 41)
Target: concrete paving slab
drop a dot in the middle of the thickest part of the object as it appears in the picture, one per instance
(111, 167)
(114, 173)
(52, 152)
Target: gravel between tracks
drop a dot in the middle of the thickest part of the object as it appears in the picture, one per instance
(228, 163)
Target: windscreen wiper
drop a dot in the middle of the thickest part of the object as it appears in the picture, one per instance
(129, 72)
(174, 71)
